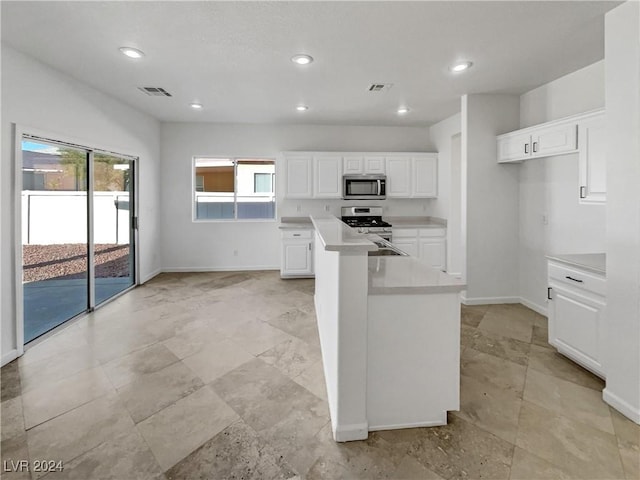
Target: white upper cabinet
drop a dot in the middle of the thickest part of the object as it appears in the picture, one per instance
(584, 134)
(327, 173)
(553, 138)
(592, 166)
(425, 176)
(359, 164)
(319, 174)
(399, 177)
(514, 147)
(299, 174)
(353, 165)
(412, 176)
(374, 164)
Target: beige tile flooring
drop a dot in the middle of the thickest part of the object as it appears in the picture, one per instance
(219, 375)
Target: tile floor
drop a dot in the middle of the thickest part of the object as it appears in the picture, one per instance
(219, 376)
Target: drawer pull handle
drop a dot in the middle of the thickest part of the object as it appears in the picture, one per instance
(574, 279)
(549, 293)
(535, 147)
(526, 148)
(296, 234)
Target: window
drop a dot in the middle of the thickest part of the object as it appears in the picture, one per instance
(263, 183)
(234, 188)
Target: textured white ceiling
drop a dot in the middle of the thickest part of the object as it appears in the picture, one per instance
(234, 57)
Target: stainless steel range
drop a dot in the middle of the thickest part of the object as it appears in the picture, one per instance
(367, 220)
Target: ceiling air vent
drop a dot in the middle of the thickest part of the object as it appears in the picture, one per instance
(380, 87)
(155, 91)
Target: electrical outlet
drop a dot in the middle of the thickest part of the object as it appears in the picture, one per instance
(327, 208)
(298, 208)
(545, 219)
(235, 253)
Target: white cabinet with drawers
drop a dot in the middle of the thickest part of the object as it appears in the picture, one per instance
(576, 305)
(297, 253)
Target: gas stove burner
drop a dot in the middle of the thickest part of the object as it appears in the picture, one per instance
(366, 219)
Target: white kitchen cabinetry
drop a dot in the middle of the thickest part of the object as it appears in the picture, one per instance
(592, 166)
(297, 253)
(327, 176)
(553, 138)
(359, 164)
(577, 299)
(412, 176)
(425, 177)
(399, 177)
(429, 245)
(299, 174)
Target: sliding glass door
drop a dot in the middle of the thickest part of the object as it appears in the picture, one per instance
(77, 236)
(112, 225)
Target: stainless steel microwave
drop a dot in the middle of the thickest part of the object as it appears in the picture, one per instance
(364, 187)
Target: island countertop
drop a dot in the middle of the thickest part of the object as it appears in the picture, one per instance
(336, 236)
(294, 223)
(387, 274)
(407, 275)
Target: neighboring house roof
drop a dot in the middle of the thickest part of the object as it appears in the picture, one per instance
(39, 160)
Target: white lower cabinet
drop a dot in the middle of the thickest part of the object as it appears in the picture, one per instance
(429, 245)
(297, 253)
(576, 315)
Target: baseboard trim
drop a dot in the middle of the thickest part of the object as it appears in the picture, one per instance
(534, 306)
(9, 357)
(351, 432)
(243, 268)
(624, 407)
(431, 423)
(488, 300)
(153, 274)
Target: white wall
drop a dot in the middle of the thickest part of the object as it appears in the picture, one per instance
(622, 345)
(549, 186)
(43, 100)
(192, 246)
(445, 136)
(491, 200)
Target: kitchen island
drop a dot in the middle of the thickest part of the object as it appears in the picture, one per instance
(389, 332)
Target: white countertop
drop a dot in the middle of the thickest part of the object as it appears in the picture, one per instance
(295, 223)
(338, 237)
(407, 275)
(416, 222)
(594, 262)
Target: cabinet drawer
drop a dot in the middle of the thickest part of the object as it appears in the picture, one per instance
(578, 279)
(404, 232)
(296, 234)
(432, 232)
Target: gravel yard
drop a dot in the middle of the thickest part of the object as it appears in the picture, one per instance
(69, 261)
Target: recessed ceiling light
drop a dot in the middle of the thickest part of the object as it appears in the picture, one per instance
(302, 108)
(132, 52)
(196, 106)
(461, 66)
(403, 110)
(302, 59)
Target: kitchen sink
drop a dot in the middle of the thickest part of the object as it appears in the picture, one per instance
(386, 249)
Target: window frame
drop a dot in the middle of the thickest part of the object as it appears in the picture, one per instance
(235, 219)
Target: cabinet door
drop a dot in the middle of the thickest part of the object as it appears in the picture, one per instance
(574, 327)
(299, 173)
(296, 257)
(425, 177)
(592, 166)
(353, 165)
(327, 177)
(433, 252)
(554, 140)
(514, 148)
(407, 245)
(398, 177)
(374, 165)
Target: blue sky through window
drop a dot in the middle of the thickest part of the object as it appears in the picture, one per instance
(39, 147)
